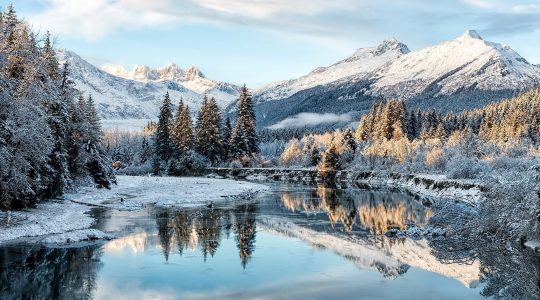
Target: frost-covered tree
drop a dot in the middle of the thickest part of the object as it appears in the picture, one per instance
(162, 139)
(244, 141)
(146, 151)
(226, 138)
(208, 130)
(45, 142)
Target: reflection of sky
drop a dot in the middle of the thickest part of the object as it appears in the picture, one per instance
(279, 267)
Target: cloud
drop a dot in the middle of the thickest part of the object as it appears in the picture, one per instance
(330, 22)
(311, 119)
(96, 19)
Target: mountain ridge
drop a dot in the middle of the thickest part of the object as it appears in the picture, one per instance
(140, 97)
(466, 72)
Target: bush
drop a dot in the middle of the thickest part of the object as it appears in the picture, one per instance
(464, 168)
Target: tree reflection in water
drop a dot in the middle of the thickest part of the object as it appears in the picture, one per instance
(48, 273)
(204, 229)
(377, 212)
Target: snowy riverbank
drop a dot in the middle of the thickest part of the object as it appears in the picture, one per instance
(68, 220)
(428, 186)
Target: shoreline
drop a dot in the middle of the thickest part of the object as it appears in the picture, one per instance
(68, 220)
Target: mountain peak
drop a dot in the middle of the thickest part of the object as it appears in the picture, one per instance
(391, 44)
(192, 73)
(169, 72)
(471, 34)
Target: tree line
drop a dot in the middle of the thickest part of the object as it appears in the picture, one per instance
(50, 134)
(180, 145)
(512, 119)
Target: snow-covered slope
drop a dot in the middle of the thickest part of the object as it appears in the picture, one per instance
(138, 94)
(467, 72)
(362, 62)
(465, 62)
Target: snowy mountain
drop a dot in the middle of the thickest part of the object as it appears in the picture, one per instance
(120, 94)
(362, 62)
(463, 73)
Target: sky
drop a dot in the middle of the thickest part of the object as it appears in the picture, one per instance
(260, 41)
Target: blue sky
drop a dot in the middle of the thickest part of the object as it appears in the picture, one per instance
(259, 41)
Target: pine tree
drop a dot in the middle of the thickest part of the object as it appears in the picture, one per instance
(330, 162)
(177, 129)
(209, 141)
(162, 139)
(244, 141)
(226, 138)
(49, 55)
(349, 141)
(146, 151)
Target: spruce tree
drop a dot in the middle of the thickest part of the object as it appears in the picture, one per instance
(49, 55)
(330, 162)
(226, 138)
(177, 128)
(349, 141)
(162, 138)
(146, 152)
(209, 142)
(244, 141)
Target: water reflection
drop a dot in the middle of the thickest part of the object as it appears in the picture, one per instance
(204, 229)
(506, 272)
(376, 212)
(44, 273)
(300, 234)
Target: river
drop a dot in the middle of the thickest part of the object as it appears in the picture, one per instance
(294, 242)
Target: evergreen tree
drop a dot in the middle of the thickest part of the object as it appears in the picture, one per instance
(49, 56)
(45, 138)
(146, 151)
(330, 162)
(244, 141)
(349, 141)
(177, 129)
(208, 130)
(226, 138)
(162, 140)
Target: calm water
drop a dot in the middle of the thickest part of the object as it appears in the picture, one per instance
(294, 242)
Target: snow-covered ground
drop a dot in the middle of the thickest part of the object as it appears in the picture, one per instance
(433, 187)
(45, 219)
(135, 192)
(68, 220)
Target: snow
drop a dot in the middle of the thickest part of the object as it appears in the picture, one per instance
(465, 62)
(139, 94)
(138, 192)
(534, 245)
(77, 236)
(362, 62)
(68, 220)
(451, 187)
(47, 218)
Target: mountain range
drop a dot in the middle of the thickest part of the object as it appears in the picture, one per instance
(138, 94)
(463, 73)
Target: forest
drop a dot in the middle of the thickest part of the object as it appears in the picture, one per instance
(50, 137)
